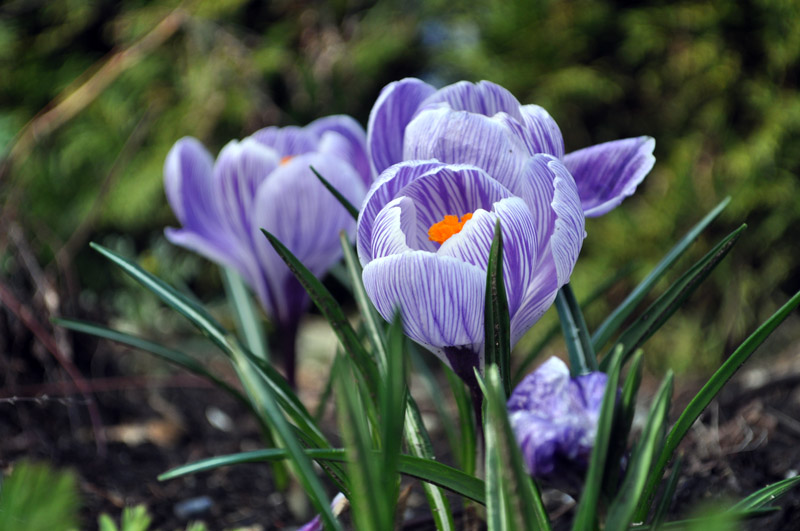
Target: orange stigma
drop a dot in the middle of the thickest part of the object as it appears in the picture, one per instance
(286, 159)
(441, 231)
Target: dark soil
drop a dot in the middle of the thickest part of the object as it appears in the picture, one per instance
(746, 440)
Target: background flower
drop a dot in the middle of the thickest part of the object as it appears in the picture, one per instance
(440, 287)
(554, 418)
(485, 125)
(264, 181)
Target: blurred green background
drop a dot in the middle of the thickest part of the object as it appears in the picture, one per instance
(93, 94)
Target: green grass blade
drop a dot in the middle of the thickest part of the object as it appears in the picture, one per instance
(466, 421)
(342, 199)
(419, 444)
(765, 497)
(582, 359)
(709, 391)
(372, 321)
(497, 510)
(392, 394)
(522, 498)
(332, 312)
(664, 503)
(614, 321)
(436, 397)
(497, 324)
(626, 409)
(622, 509)
(586, 515)
(367, 479)
(426, 470)
(252, 333)
(195, 313)
(173, 356)
(662, 309)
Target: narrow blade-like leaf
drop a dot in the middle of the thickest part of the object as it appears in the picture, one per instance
(342, 199)
(707, 394)
(520, 495)
(767, 496)
(497, 325)
(332, 312)
(622, 509)
(582, 359)
(252, 333)
(614, 321)
(586, 516)
(662, 309)
(424, 469)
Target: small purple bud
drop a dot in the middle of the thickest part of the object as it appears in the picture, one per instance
(554, 418)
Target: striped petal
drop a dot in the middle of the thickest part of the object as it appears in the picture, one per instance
(441, 299)
(298, 210)
(460, 137)
(543, 134)
(395, 226)
(396, 105)
(485, 98)
(287, 141)
(608, 173)
(386, 188)
(354, 146)
(473, 243)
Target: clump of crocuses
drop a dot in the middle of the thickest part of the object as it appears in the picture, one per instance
(554, 418)
(265, 182)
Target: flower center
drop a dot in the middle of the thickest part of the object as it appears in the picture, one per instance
(285, 160)
(441, 231)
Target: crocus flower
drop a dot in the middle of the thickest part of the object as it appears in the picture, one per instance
(484, 124)
(424, 235)
(554, 418)
(338, 505)
(264, 181)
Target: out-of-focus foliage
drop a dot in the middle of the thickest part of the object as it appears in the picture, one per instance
(37, 497)
(714, 82)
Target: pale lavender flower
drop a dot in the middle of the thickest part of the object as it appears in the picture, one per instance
(484, 124)
(338, 505)
(554, 418)
(424, 235)
(264, 181)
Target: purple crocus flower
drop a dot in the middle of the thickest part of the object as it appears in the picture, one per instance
(424, 235)
(264, 181)
(484, 124)
(554, 418)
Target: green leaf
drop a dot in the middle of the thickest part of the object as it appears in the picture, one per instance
(519, 494)
(765, 497)
(707, 394)
(664, 503)
(426, 470)
(364, 466)
(195, 313)
(246, 313)
(173, 356)
(419, 444)
(332, 312)
(662, 309)
(614, 321)
(626, 408)
(466, 421)
(372, 320)
(622, 509)
(586, 515)
(342, 199)
(393, 395)
(582, 359)
(497, 325)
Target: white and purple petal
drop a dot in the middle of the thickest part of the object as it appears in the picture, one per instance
(484, 98)
(353, 150)
(440, 298)
(608, 173)
(394, 109)
(460, 137)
